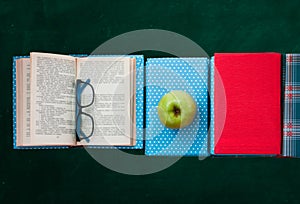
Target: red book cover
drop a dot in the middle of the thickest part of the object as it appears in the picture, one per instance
(247, 103)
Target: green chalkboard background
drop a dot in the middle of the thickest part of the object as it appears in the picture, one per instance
(73, 26)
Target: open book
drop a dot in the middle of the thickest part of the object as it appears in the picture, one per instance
(63, 100)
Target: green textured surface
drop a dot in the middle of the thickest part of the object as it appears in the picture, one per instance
(72, 176)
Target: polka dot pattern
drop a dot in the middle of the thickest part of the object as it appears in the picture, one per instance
(162, 76)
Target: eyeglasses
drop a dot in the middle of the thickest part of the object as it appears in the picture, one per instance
(85, 96)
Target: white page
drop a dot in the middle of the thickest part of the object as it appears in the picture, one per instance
(110, 77)
(52, 99)
(23, 101)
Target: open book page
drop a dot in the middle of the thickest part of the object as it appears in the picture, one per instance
(133, 99)
(112, 111)
(52, 99)
(23, 101)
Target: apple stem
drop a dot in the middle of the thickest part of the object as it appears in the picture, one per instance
(176, 111)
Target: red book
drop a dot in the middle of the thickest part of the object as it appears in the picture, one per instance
(247, 109)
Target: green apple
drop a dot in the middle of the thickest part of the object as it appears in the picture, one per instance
(176, 109)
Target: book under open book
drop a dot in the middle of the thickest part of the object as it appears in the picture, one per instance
(63, 100)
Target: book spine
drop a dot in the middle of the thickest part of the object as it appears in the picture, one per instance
(212, 111)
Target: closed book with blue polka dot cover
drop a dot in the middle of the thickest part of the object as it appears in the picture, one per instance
(191, 76)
